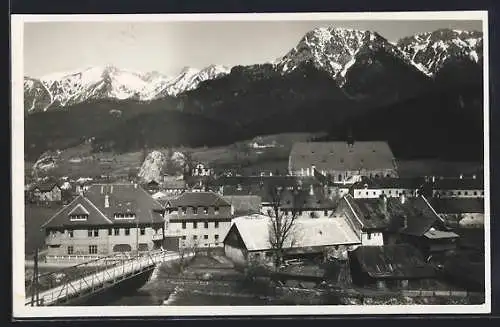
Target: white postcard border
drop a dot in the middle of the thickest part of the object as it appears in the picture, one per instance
(17, 124)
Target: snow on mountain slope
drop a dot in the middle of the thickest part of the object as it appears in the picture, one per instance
(335, 50)
(68, 88)
(433, 50)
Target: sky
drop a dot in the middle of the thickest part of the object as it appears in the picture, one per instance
(168, 47)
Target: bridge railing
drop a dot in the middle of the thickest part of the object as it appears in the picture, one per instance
(61, 285)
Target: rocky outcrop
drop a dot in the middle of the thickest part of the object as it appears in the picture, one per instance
(152, 166)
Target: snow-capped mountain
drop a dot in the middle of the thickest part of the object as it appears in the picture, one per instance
(190, 78)
(68, 88)
(336, 50)
(36, 96)
(434, 50)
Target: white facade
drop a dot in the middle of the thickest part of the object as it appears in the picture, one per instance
(371, 193)
(201, 170)
(372, 239)
(479, 193)
(199, 233)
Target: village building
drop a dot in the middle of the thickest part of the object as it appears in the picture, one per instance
(308, 202)
(202, 170)
(248, 240)
(106, 219)
(198, 219)
(390, 266)
(242, 205)
(460, 212)
(152, 186)
(386, 221)
(373, 188)
(47, 191)
(457, 187)
(342, 160)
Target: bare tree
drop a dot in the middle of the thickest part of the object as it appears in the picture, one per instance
(282, 222)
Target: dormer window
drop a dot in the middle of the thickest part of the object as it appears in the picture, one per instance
(195, 210)
(78, 217)
(124, 215)
(216, 210)
(184, 210)
(205, 211)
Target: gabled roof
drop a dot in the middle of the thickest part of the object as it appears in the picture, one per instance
(46, 186)
(80, 203)
(255, 232)
(373, 214)
(303, 199)
(401, 261)
(79, 210)
(198, 199)
(327, 156)
(125, 198)
(458, 205)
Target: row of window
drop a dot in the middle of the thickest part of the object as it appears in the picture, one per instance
(111, 231)
(312, 214)
(383, 192)
(195, 224)
(205, 237)
(459, 193)
(195, 210)
(92, 249)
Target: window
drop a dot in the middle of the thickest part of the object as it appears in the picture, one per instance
(216, 210)
(475, 192)
(205, 237)
(117, 231)
(89, 233)
(216, 224)
(216, 236)
(184, 237)
(459, 193)
(482, 193)
(359, 192)
(184, 210)
(269, 212)
(110, 231)
(325, 212)
(367, 193)
(96, 232)
(466, 193)
(257, 255)
(81, 217)
(205, 211)
(70, 249)
(206, 224)
(127, 231)
(390, 192)
(269, 254)
(369, 236)
(92, 249)
(340, 177)
(195, 210)
(195, 225)
(195, 237)
(70, 233)
(124, 215)
(143, 230)
(374, 192)
(383, 192)
(183, 225)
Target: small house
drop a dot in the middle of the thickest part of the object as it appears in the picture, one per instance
(397, 265)
(249, 239)
(460, 212)
(48, 191)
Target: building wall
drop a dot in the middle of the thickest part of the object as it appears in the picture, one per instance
(235, 254)
(376, 193)
(372, 239)
(187, 235)
(104, 242)
(479, 193)
(54, 195)
(305, 213)
(342, 175)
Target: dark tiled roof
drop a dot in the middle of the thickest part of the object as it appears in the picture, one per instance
(196, 199)
(382, 183)
(244, 204)
(400, 261)
(458, 205)
(125, 198)
(340, 156)
(419, 215)
(62, 219)
(46, 186)
(459, 184)
(303, 199)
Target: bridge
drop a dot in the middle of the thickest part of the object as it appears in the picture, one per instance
(69, 284)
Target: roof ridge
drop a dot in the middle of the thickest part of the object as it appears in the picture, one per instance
(109, 220)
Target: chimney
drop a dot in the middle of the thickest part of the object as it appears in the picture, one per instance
(402, 198)
(106, 201)
(102, 189)
(461, 176)
(111, 189)
(474, 176)
(433, 179)
(313, 167)
(311, 190)
(135, 185)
